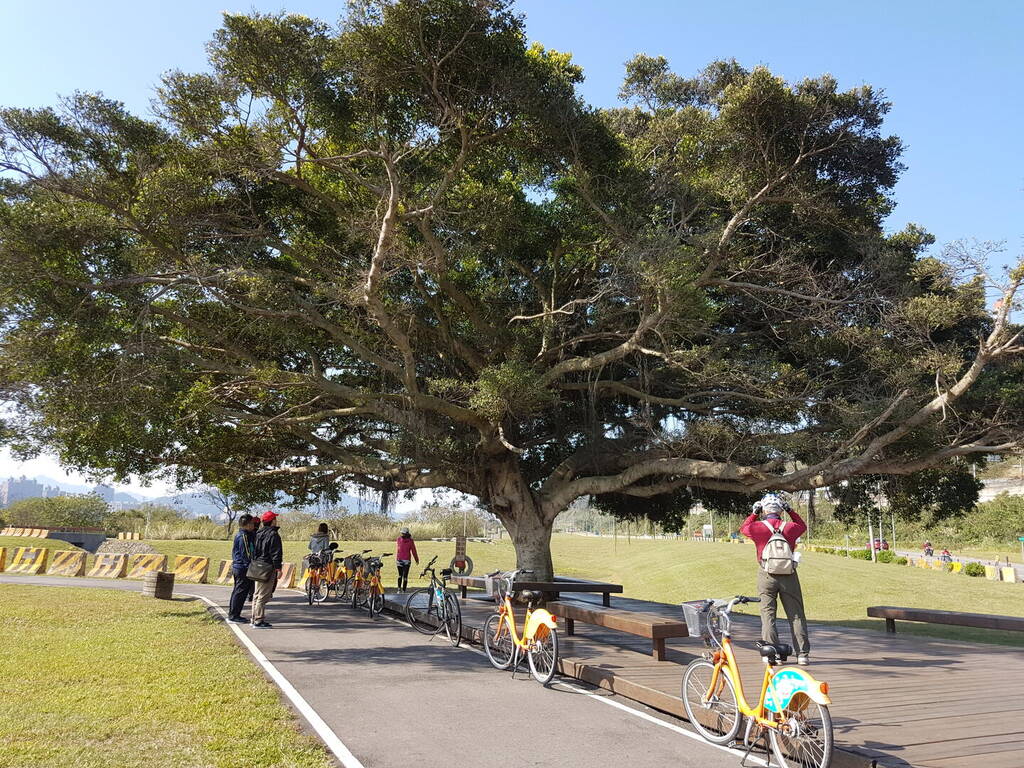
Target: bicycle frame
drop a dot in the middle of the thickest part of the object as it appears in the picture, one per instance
(533, 621)
(778, 686)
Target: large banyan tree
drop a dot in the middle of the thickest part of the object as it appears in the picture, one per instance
(403, 253)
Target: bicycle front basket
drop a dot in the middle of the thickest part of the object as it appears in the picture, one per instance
(695, 614)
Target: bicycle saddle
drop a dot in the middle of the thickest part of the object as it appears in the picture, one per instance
(774, 653)
(529, 595)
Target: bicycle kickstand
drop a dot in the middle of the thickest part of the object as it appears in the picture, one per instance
(762, 733)
(516, 660)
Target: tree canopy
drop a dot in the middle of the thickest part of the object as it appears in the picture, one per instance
(404, 253)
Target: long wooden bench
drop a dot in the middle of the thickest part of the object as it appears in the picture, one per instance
(658, 628)
(980, 620)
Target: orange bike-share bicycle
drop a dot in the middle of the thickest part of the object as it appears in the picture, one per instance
(792, 709)
(539, 641)
(369, 591)
(319, 574)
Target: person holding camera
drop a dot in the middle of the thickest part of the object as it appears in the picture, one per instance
(777, 578)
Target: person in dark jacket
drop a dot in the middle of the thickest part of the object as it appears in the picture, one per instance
(241, 555)
(268, 547)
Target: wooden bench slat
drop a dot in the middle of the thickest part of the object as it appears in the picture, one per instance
(651, 625)
(957, 618)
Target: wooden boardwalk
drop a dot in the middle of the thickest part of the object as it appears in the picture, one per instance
(898, 700)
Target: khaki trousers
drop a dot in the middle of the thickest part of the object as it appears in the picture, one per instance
(264, 591)
(786, 587)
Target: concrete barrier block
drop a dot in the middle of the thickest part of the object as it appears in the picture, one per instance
(28, 560)
(224, 573)
(287, 575)
(140, 565)
(67, 562)
(109, 566)
(991, 573)
(1008, 574)
(191, 568)
(3, 558)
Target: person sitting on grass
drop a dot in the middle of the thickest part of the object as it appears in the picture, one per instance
(241, 555)
(405, 548)
(777, 578)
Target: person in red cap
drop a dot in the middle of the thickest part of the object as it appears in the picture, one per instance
(268, 548)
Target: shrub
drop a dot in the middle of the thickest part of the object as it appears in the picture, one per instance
(885, 556)
(861, 554)
(973, 569)
(900, 560)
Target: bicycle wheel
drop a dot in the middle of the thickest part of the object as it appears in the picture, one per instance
(309, 590)
(498, 641)
(421, 612)
(358, 595)
(319, 589)
(718, 718)
(374, 602)
(344, 589)
(805, 738)
(543, 655)
(452, 618)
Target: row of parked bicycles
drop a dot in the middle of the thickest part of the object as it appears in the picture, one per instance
(354, 578)
(790, 715)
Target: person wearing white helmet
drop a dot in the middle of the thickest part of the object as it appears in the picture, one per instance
(777, 577)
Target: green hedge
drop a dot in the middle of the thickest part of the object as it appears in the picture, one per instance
(973, 569)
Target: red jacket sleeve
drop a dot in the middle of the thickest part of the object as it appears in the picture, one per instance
(747, 526)
(416, 556)
(797, 527)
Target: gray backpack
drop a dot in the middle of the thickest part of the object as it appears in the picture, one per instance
(777, 555)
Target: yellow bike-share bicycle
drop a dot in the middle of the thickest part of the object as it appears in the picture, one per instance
(791, 710)
(504, 645)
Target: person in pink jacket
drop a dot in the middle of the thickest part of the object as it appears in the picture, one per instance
(405, 553)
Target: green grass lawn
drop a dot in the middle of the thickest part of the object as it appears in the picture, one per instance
(836, 589)
(100, 678)
(10, 542)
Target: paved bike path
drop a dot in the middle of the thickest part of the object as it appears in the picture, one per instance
(397, 698)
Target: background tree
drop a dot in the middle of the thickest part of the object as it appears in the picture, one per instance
(404, 254)
(227, 503)
(81, 511)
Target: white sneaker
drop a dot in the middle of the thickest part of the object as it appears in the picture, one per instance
(803, 659)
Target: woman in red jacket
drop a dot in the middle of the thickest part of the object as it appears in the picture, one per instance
(405, 553)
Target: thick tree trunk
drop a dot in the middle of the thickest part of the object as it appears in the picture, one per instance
(515, 504)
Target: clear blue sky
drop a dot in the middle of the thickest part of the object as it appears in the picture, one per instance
(953, 70)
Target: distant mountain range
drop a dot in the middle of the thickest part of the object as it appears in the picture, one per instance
(196, 503)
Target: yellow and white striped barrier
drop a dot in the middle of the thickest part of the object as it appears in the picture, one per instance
(287, 575)
(224, 574)
(1008, 573)
(109, 566)
(191, 568)
(67, 562)
(991, 573)
(140, 565)
(3, 558)
(28, 560)
(957, 567)
(41, 533)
